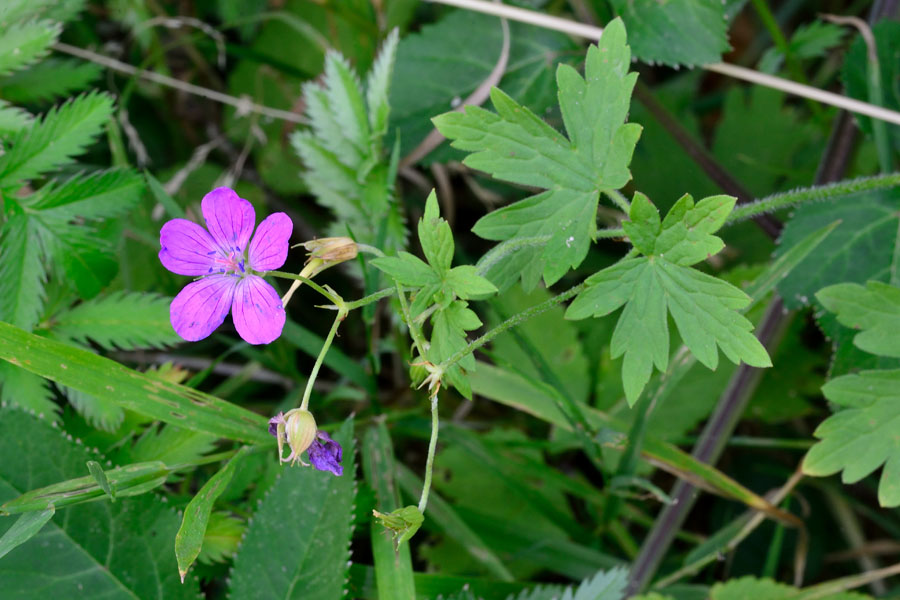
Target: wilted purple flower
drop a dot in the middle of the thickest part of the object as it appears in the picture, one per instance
(225, 258)
(297, 428)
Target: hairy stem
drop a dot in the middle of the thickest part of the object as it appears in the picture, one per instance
(510, 323)
(814, 193)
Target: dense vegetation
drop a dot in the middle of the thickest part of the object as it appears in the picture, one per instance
(551, 314)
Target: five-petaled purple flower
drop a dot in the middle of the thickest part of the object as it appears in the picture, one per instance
(226, 258)
(298, 429)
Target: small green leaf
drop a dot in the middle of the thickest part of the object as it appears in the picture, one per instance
(50, 79)
(22, 272)
(100, 477)
(189, 539)
(875, 309)
(26, 527)
(467, 283)
(643, 224)
(403, 523)
(864, 436)
(407, 269)
(435, 236)
(687, 231)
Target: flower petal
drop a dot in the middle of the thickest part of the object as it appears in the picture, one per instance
(187, 249)
(273, 423)
(270, 244)
(257, 311)
(201, 306)
(326, 457)
(229, 218)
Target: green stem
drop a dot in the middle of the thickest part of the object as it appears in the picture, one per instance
(342, 312)
(511, 322)
(609, 233)
(300, 279)
(370, 298)
(619, 200)
(823, 192)
(414, 332)
(429, 462)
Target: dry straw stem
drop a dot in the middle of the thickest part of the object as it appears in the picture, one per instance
(593, 33)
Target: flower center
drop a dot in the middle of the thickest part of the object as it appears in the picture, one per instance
(232, 263)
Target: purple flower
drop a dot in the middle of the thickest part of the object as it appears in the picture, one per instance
(225, 258)
(297, 428)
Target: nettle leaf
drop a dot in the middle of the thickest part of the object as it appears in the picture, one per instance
(675, 32)
(101, 413)
(874, 308)
(297, 545)
(861, 248)
(51, 142)
(703, 307)
(20, 388)
(121, 320)
(118, 550)
(515, 145)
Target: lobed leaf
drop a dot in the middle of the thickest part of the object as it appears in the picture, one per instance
(515, 145)
(875, 309)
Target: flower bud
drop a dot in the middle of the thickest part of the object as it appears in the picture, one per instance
(332, 250)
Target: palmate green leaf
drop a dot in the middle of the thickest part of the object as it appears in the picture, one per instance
(160, 400)
(660, 283)
(704, 309)
(675, 32)
(407, 269)
(24, 43)
(861, 248)
(121, 320)
(51, 142)
(297, 544)
(191, 534)
(875, 309)
(864, 435)
(50, 79)
(113, 551)
(515, 145)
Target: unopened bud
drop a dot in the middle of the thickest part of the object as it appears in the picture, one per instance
(300, 431)
(332, 250)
